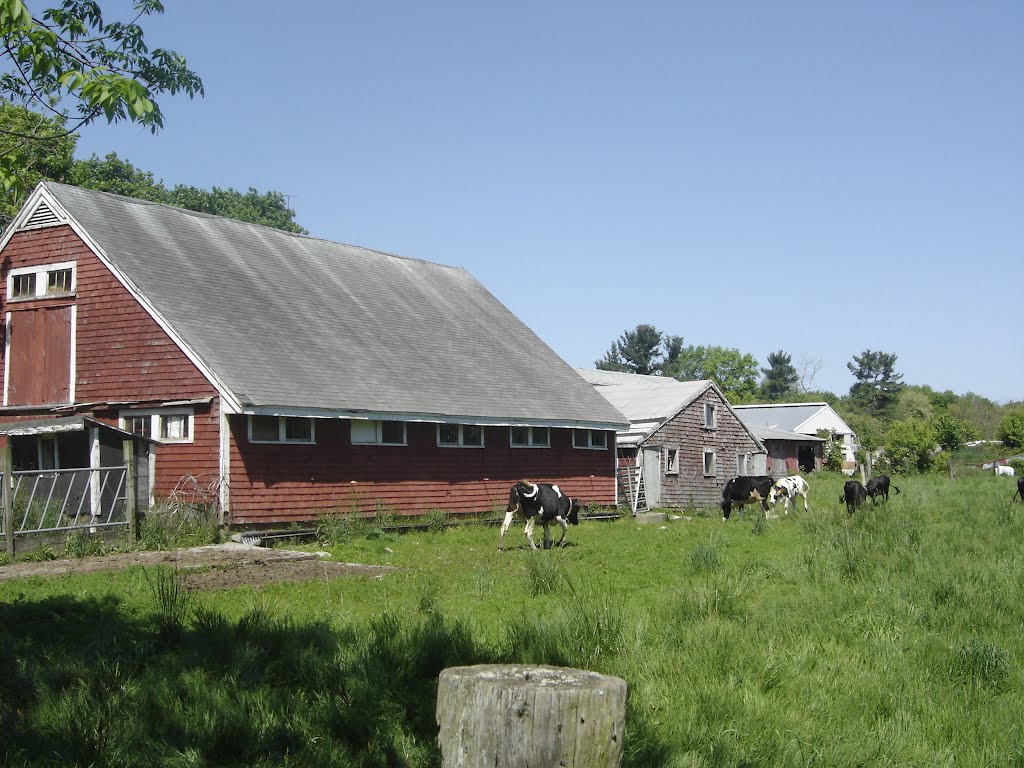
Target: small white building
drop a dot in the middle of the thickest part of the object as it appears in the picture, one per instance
(805, 419)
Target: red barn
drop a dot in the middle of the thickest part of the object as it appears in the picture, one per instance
(294, 374)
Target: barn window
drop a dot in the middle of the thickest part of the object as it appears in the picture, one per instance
(709, 462)
(710, 416)
(671, 461)
(460, 436)
(168, 425)
(530, 437)
(595, 439)
(47, 280)
(743, 463)
(373, 432)
(281, 429)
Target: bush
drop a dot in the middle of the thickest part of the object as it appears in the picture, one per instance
(1011, 428)
(909, 446)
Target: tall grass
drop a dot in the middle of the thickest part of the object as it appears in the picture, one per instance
(888, 638)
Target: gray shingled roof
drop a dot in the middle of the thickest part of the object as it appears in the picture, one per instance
(292, 323)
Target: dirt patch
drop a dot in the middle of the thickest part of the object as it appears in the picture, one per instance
(219, 566)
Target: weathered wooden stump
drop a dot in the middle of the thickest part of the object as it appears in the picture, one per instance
(515, 716)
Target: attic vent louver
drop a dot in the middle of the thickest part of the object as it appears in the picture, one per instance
(42, 216)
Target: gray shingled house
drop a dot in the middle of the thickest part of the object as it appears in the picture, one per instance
(294, 374)
(684, 441)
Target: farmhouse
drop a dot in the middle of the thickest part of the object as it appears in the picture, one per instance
(290, 374)
(805, 419)
(684, 441)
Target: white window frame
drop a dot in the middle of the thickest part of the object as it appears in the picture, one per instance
(743, 463)
(713, 472)
(461, 443)
(710, 416)
(377, 426)
(41, 273)
(671, 460)
(531, 438)
(157, 417)
(590, 443)
(282, 432)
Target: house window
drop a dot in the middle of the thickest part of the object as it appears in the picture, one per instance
(47, 280)
(742, 463)
(281, 429)
(595, 439)
(671, 461)
(373, 432)
(460, 436)
(710, 416)
(23, 286)
(709, 463)
(168, 425)
(530, 437)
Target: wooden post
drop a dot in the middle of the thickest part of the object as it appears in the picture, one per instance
(517, 716)
(5, 498)
(131, 507)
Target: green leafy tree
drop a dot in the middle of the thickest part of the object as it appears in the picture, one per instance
(1011, 428)
(71, 65)
(112, 174)
(33, 161)
(910, 446)
(733, 371)
(984, 414)
(780, 377)
(636, 351)
(878, 385)
(913, 403)
(832, 452)
(952, 433)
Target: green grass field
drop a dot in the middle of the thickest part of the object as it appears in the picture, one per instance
(892, 638)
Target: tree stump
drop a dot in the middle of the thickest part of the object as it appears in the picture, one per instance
(515, 716)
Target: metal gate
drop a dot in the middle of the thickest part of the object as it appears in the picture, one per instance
(64, 500)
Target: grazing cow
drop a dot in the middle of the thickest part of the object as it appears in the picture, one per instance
(1020, 491)
(879, 486)
(1002, 469)
(854, 494)
(789, 488)
(753, 489)
(539, 501)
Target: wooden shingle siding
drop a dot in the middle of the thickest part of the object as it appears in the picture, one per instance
(274, 483)
(691, 488)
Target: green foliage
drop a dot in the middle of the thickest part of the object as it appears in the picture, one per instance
(30, 161)
(80, 545)
(70, 63)
(733, 371)
(952, 433)
(1011, 428)
(780, 377)
(984, 414)
(910, 446)
(174, 601)
(832, 453)
(878, 385)
(172, 524)
(112, 174)
(636, 351)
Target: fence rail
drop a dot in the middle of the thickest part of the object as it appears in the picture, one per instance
(64, 500)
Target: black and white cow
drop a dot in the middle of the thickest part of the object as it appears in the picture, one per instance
(1020, 491)
(789, 488)
(854, 494)
(539, 502)
(879, 486)
(751, 489)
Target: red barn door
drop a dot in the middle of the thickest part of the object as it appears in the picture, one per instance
(39, 356)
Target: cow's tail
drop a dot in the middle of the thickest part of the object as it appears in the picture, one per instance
(896, 489)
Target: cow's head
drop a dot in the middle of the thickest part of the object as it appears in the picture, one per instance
(574, 508)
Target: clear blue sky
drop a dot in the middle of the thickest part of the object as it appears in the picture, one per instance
(817, 177)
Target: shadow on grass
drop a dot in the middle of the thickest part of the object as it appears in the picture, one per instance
(85, 683)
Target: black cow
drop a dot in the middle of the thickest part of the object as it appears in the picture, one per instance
(751, 489)
(879, 486)
(1020, 490)
(543, 502)
(854, 494)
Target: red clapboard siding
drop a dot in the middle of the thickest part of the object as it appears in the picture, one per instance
(275, 483)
